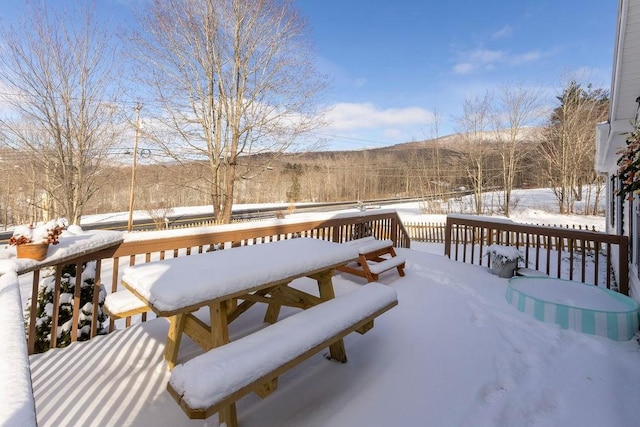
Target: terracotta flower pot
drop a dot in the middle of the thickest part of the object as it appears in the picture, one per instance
(37, 251)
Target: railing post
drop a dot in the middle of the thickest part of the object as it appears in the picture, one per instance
(56, 308)
(394, 230)
(447, 238)
(335, 234)
(96, 299)
(33, 312)
(623, 265)
(76, 302)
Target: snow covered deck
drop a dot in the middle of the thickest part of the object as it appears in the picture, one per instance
(455, 353)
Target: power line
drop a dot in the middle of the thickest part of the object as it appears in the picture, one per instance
(352, 138)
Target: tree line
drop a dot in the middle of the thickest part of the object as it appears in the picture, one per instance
(218, 80)
(231, 95)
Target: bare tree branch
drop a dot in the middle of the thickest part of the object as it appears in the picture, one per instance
(60, 69)
(234, 77)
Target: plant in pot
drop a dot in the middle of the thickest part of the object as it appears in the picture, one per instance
(33, 240)
(629, 164)
(504, 260)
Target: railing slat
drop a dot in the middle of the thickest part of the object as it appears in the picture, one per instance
(56, 307)
(96, 300)
(76, 302)
(33, 312)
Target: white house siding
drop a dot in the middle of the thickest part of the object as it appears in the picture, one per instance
(622, 215)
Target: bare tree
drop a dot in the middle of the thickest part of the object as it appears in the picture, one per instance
(518, 109)
(567, 148)
(434, 185)
(233, 78)
(474, 126)
(59, 71)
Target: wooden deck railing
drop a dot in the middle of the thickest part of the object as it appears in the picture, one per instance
(434, 232)
(467, 237)
(429, 232)
(146, 246)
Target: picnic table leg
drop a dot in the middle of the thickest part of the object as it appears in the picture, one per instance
(174, 336)
(325, 288)
(220, 336)
(228, 416)
(219, 324)
(273, 310)
(400, 267)
(232, 305)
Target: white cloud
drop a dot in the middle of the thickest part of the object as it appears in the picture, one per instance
(486, 59)
(526, 57)
(502, 33)
(480, 59)
(361, 82)
(350, 116)
(464, 68)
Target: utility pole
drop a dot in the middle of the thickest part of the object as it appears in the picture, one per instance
(133, 166)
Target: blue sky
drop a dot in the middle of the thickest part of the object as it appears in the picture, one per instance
(392, 63)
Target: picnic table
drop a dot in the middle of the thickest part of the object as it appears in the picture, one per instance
(212, 382)
(375, 257)
(177, 287)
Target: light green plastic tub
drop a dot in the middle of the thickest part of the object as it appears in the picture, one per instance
(574, 305)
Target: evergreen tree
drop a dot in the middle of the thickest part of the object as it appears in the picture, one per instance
(44, 315)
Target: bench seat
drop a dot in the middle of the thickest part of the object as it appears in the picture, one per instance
(375, 257)
(214, 380)
(122, 304)
(388, 264)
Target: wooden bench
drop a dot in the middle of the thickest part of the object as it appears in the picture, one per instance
(123, 304)
(375, 257)
(215, 380)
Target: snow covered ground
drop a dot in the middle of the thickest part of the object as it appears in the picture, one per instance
(537, 206)
(452, 353)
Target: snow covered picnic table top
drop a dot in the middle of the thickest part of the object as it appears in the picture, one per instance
(174, 285)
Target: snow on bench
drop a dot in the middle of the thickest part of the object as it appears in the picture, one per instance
(369, 244)
(375, 257)
(380, 267)
(213, 381)
(123, 303)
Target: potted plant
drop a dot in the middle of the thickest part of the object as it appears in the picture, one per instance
(33, 240)
(629, 164)
(504, 260)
